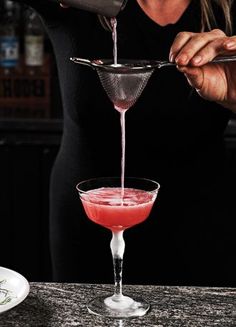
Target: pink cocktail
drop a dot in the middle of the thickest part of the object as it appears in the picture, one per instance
(118, 208)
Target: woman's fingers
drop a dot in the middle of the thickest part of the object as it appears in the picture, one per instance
(195, 47)
(193, 53)
(194, 75)
(230, 43)
(180, 40)
(222, 46)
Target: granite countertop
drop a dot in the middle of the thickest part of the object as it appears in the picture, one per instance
(64, 304)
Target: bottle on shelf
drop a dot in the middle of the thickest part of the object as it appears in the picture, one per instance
(34, 35)
(9, 38)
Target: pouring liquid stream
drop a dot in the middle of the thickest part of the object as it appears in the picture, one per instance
(121, 110)
(114, 38)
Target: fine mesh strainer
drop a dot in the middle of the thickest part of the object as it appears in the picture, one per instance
(123, 89)
(124, 82)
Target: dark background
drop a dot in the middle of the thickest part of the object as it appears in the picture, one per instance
(28, 147)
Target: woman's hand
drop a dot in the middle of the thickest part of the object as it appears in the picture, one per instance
(193, 52)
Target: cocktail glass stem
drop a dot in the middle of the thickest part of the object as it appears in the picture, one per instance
(117, 249)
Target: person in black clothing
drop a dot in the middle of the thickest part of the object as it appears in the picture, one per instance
(174, 135)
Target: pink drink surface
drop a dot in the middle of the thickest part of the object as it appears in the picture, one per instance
(107, 207)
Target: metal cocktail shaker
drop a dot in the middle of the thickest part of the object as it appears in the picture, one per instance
(107, 8)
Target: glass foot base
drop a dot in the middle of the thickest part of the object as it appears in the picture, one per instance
(118, 306)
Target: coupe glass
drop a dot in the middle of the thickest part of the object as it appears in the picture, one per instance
(118, 208)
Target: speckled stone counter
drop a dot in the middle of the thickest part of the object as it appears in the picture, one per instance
(56, 305)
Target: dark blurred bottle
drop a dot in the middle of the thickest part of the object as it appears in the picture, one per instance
(9, 38)
(33, 43)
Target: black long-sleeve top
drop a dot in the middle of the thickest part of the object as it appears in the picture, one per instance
(172, 134)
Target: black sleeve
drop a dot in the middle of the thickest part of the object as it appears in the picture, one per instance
(41, 6)
(49, 10)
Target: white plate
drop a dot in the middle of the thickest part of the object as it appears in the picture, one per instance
(14, 288)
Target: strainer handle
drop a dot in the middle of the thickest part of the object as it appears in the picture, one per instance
(224, 59)
(82, 61)
(216, 60)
